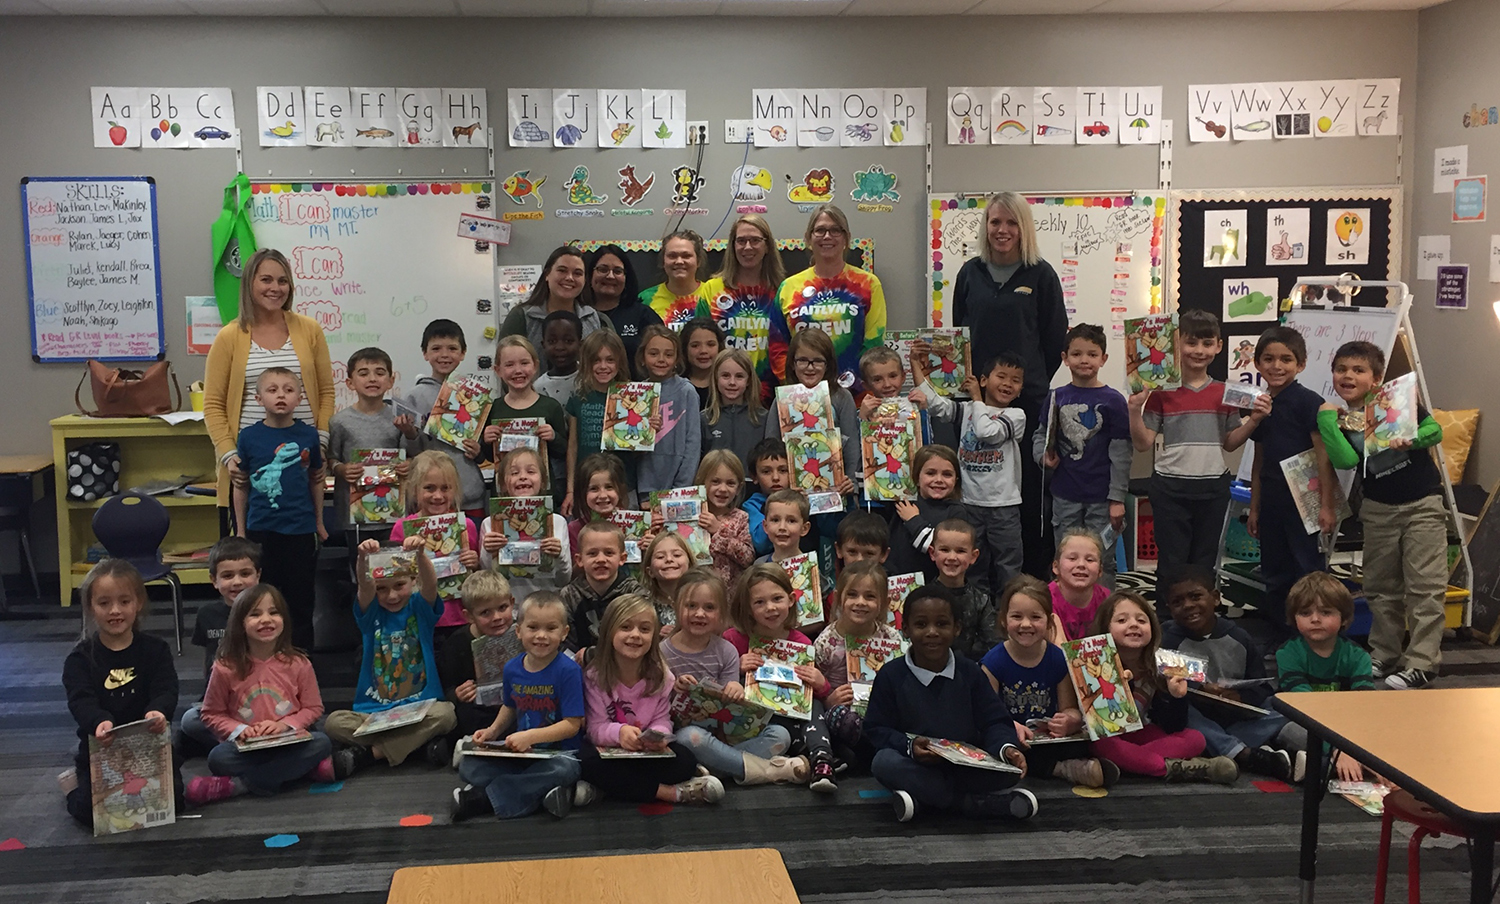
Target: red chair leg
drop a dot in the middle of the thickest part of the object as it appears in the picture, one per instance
(1414, 866)
(1382, 865)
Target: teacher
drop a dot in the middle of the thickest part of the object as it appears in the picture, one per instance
(560, 289)
(1011, 300)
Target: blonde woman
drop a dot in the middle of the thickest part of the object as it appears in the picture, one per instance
(741, 299)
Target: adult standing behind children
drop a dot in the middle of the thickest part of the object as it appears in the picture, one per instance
(1011, 300)
(741, 299)
(616, 294)
(561, 288)
(267, 333)
(682, 260)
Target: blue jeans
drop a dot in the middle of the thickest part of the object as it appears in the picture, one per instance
(1092, 515)
(516, 787)
(943, 786)
(193, 728)
(265, 771)
(1229, 740)
(730, 759)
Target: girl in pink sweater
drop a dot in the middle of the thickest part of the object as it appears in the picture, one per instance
(627, 714)
(727, 524)
(262, 691)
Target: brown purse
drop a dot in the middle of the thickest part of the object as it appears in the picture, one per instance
(129, 393)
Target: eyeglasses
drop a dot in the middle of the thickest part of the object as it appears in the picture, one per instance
(749, 241)
(823, 231)
(609, 271)
(810, 363)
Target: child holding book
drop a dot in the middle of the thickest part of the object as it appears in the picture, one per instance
(812, 360)
(489, 607)
(233, 567)
(603, 491)
(443, 348)
(883, 374)
(939, 498)
(933, 693)
(727, 524)
(787, 522)
(281, 505)
(1165, 747)
(115, 675)
(1406, 526)
(696, 653)
(516, 366)
(602, 362)
(862, 598)
(1091, 456)
(370, 423)
(261, 687)
(396, 616)
(863, 536)
(667, 558)
(700, 342)
(671, 464)
(1075, 589)
(522, 473)
(1031, 675)
(432, 489)
(597, 580)
(732, 418)
(627, 692)
(769, 472)
(955, 549)
(562, 332)
(541, 709)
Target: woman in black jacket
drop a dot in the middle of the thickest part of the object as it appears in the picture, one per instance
(614, 290)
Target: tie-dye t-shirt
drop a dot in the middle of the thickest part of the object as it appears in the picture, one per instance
(751, 319)
(674, 310)
(850, 307)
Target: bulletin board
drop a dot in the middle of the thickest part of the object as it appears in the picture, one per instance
(1238, 253)
(1107, 248)
(645, 255)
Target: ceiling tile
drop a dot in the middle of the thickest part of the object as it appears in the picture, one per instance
(1032, 7)
(118, 7)
(909, 7)
(653, 7)
(784, 7)
(1353, 5)
(1161, 6)
(23, 8)
(256, 7)
(524, 7)
(1276, 6)
(390, 7)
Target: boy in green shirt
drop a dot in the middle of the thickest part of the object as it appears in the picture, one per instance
(1320, 658)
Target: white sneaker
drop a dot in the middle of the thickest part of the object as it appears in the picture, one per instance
(705, 789)
(584, 793)
(67, 779)
(904, 805)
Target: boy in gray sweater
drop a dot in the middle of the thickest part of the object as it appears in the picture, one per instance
(443, 347)
(370, 423)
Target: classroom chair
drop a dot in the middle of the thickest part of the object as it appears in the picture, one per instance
(131, 526)
(1401, 805)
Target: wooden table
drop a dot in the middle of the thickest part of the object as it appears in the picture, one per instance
(1441, 746)
(747, 876)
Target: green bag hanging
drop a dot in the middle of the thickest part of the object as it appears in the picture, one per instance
(233, 244)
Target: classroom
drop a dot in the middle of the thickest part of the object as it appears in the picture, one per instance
(748, 450)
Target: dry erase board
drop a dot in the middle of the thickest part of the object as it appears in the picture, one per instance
(1326, 329)
(93, 269)
(645, 255)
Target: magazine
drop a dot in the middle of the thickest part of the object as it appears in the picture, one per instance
(1391, 414)
(131, 779)
(898, 588)
(962, 754)
(1151, 360)
(1104, 696)
(491, 653)
(863, 656)
(395, 717)
(1301, 472)
(793, 702)
(733, 722)
(375, 497)
(265, 742)
(888, 443)
(814, 447)
(524, 521)
(470, 747)
(445, 535)
(628, 409)
(461, 409)
(807, 594)
(635, 526)
(948, 362)
(1174, 664)
(390, 563)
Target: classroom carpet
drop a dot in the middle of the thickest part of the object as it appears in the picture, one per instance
(1145, 842)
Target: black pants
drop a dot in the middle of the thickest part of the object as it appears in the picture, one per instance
(1187, 519)
(80, 800)
(1041, 759)
(637, 780)
(289, 562)
(471, 718)
(1036, 522)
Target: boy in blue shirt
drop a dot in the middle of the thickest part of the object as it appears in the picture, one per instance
(281, 508)
(398, 666)
(770, 472)
(542, 708)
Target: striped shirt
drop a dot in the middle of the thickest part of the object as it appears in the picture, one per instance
(1192, 424)
(251, 410)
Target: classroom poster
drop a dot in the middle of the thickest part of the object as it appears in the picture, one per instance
(1250, 300)
(328, 120)
(1208, 112)
(1348, 242)
(528, 117)
(905, 117)
(619, 112)
(466, 117)
(373, 119)
(1140, 115)
(1052, 115)
(1453, 287)
(817, 122)
(1377, 101)
(1010, 115)
(573, 119)
(422, 123)
(165, 116)
(663, 118)
(859, 117)
(116, 117)
(1287, 234)
(203, 323)
(968, 113)
(1224, 235)
(1448, 164)
(775, 117)
(1097, 111)
(1335, 109)
(279, 116)
(1432, 252)
(1291, 109)
(1250, 112)
(1469, 196)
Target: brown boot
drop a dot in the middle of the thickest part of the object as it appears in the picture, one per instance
(779, 770)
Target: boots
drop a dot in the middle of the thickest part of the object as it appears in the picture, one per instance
(779, 770)
(1217, 769)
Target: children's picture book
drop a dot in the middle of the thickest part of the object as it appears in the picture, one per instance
(519, 433)
(1151, 360)
(445, 535)
(898, 587)
(697, 540)
(1368, 796)
(395, 717)
(461, 409)
(525, 521)
(1223, 708)
(777, 673)
(280, 739)
(888, 443)
(948, 363)
(901, 342)
(1241, 395)
(491, 653)
(1050, 443)
(961, 754)
(806, 587)
(391, 563)
(375, 497)
(620, 753)
(1301, 472)
(865, 655)
(635, 526)
(628, 409)
(861, 691)
(793, 702)
(1391, 414)
(131, 778)
(1104, 695)
(733, 722)
(1176, 664)
(657, 501)
(814, 448)
(470, 747)
(1040, 734)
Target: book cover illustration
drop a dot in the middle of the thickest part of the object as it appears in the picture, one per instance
(280, 739)
(865, 656)
(961, 754)
(1241, 395)
(635, 526)
(525, 521)
(807, 595)
(814, 448)
(131, 778)
(1104, 695)
(395, 717)
(697, 540)
(461, 409)
(732, 721)
(1391, 414)
(470, 747)
(898, 587)
(445, 536)
(518, 433)
(491, 653)
(793, 702)
(901, 342)
(1176, 664)
(948, 363)
(1301, 472)
(375, 497)
(1151, 360)
(862, 691)
(391, 563)
(620, 753)
(664, 502)
(628, 409)
(888, 444)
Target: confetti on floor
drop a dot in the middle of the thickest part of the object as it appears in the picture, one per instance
(12, 844)
(658, 808)
(325, 787)
(1271, 786)
(1086, 791)
(874, 793)
(415, 820)
(281, 841)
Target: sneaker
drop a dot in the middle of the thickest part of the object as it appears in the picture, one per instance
(205, 789)
(469, 802)
(585, 793)
(1267, 761)
(439, 752)
(1377, 669)
(67, 779)
(323, 772)
(1080, 772)
(1017, 803)
(702, 770)
(904, 805)
(1299, 766)
(1218, 769)
(559, 801)
(350, 760)
(1111, 773)
(700, 790)
(822, 778)
(1409, 680)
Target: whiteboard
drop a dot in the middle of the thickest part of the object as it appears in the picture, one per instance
(375, 262)
(1326, 329)
(93, 269)
(1105, 247)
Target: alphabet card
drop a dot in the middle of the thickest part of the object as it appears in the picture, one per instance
(1250, 300)
(817, 126)
(1224, 236)
(969, 115)
(373, 122)
(165, 112)
(1287, 235)
(905, 117)
(859, 117)
(1377, 100)
(1250, 112)
(1335, 109)
(1140, 115)
(1348, 236)
(1010, 112)
(1097, 111)
(421, 122)
(279, 115)
(116, 117)
(1291, 109)
(466, 118)
(619, 112)
(663, 118)
(1052, 115)
(573, 120)
(1208, 112)
(774, 117)
(328, 117)
(529, 122)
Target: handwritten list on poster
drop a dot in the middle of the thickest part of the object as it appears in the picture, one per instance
(93, 268)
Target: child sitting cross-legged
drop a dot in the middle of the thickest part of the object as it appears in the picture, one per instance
(862, 599)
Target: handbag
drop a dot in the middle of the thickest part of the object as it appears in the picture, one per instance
(129, 393)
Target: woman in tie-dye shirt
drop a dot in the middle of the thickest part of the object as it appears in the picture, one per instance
(839, 298)
(742, 299)
(683, 258)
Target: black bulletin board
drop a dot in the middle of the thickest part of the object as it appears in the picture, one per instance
(1198, 286)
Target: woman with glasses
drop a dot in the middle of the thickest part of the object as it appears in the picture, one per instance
(561, 288)
(741, 299)
(1011, 300)
(839, 298)
(683, 259)
(615, 292)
